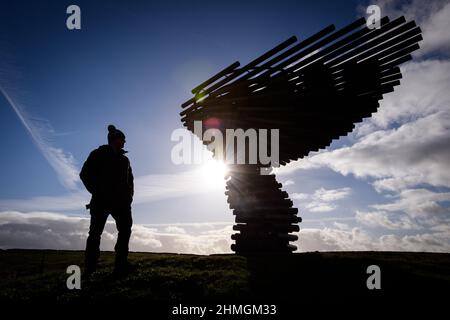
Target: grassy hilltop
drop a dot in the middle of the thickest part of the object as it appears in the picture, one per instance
(41, 274)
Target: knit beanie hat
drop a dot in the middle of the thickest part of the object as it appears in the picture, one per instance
(114, 133)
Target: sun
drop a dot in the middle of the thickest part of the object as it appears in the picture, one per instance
(213, 172)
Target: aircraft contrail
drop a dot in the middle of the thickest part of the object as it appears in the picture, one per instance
(62, 162)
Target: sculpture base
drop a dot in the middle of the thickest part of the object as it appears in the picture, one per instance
(264, 213)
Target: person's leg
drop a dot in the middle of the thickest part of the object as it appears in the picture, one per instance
(98, 221)
(124, 223)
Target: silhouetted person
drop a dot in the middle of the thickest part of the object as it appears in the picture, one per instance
(107, 175)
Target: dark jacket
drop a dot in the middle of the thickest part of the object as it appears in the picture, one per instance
(107, 175)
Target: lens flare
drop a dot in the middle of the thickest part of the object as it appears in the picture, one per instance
(213, 173)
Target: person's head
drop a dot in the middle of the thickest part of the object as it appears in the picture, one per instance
(116, 138)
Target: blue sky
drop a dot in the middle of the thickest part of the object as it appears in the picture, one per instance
(133, 63)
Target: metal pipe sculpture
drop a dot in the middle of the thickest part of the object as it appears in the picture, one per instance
(313, 91)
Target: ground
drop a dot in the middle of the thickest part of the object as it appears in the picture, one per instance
(41, 275)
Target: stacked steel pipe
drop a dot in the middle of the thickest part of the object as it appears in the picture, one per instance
(313, 91)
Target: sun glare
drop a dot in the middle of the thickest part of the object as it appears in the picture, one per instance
(213, 172)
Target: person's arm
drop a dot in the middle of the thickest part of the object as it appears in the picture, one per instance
(88, 173)
(131, 181)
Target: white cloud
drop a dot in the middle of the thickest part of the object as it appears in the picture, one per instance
(49, 230)
(70, 201)
(320, 207)
(321, 200)
(417, 152)
(382, 219)
(329, 239)
(432, 242)
(161, 186)
(341, 226)
(423, 91)
(299, 196)
(432, 16)
(288, 182)
(148, 189)
(407, 142)
(418, 203)
(403, 149)
(330, 195)
(356, 239)
(174, 229)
